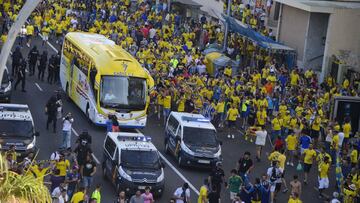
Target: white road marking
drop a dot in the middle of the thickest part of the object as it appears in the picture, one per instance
(92, 154)
(50, 45)
(177, 172)
(38, 86)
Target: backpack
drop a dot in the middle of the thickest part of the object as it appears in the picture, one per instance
(274, 175)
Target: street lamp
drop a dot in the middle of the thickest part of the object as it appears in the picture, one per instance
(24, 13)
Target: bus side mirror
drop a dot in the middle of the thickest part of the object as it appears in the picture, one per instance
(162, 164)
(37, 134)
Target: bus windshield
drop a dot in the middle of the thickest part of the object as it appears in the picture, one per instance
(118, 92)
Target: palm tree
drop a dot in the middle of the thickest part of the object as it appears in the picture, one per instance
(16, 188)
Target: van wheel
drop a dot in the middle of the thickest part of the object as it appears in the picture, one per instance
(167, 149)
(104, 171)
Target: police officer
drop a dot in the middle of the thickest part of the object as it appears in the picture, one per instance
(21, 75)
(51, 70)
(216, 177)
(57, 68)
(33, 57)
(42, 65)
(16, 57)
(51, 111)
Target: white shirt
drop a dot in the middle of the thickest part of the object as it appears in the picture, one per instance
(55, 156)
(278, 174)
(341, 138)
(334, 201)
(152, 33)
(67, 124)
(178, 192)
(261, 137)
(63, 199)
(56, 192)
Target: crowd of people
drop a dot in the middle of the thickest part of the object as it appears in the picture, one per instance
(263, 98)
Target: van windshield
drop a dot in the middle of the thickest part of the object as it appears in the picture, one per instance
(200, 137)
(140, 159)
(16, 128)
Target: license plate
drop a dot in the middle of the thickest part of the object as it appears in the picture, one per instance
(142, 187)
(204, 161)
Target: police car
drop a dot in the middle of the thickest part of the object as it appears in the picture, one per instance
(131, 162)
(17, 129)
(192, 139)
(5, 87)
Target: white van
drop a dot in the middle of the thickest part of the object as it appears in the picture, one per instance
(192, 140)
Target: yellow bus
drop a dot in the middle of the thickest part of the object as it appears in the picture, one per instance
(102, 78)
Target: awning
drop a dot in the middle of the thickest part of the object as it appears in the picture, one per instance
(188, 3)
(248, 32)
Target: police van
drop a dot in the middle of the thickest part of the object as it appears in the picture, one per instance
(131, 162)
(6, 87)
(192, 139)
(17, 129)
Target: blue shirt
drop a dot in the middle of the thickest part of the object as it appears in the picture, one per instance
(109, 125)
(305, 141)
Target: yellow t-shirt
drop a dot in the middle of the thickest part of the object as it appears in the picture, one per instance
(62, 166)
(30, 30)
(309, 155)
(78, 197)
(335, 142)
(316, 124)
(40, 174)
(181, 105)
(277, 156)
(294, 78)
(228, 72)
(354, 156)
(167, 102)
(346, 130)
(232, 114)
(276, 124)
(3, 38)
(261, 117)
(291, 200)
(220, 106)
(291, 142)
(321, 156)
(323, 170)
(203, 194)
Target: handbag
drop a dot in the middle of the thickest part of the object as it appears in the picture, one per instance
(299, 167)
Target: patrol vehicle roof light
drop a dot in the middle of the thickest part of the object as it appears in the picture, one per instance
(133, 138)
(192, 119)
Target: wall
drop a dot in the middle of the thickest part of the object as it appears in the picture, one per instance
(343, 34)
(315, 41)
(293, 27)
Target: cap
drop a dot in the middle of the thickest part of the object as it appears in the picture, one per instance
(335, 194)
(352, 186)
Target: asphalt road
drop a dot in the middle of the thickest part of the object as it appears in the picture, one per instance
(39, 92)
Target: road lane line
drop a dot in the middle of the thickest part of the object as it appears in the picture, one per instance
(177, 171)
(50, 45)
(38, 86)
(92, 154)
(179, 174)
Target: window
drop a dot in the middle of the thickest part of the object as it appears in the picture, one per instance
(110, 147)
(173, 124)
(76, 56)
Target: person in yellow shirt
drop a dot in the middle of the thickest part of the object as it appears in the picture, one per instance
(322, 154)
(309, 157)
(79, 196)
(29, 34)
(167, 105)
(219, 113)
(39, 171)
(231, 117)
(276, 124)
(203, 192)
(346, 130)
(291, 145)
(62, 165)
(181, 103)
(315, 129)
(160, 104)
(323, 176)
(261, 117)
(294, 78)
(45, 31)
(335, 144)
(354, 156)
